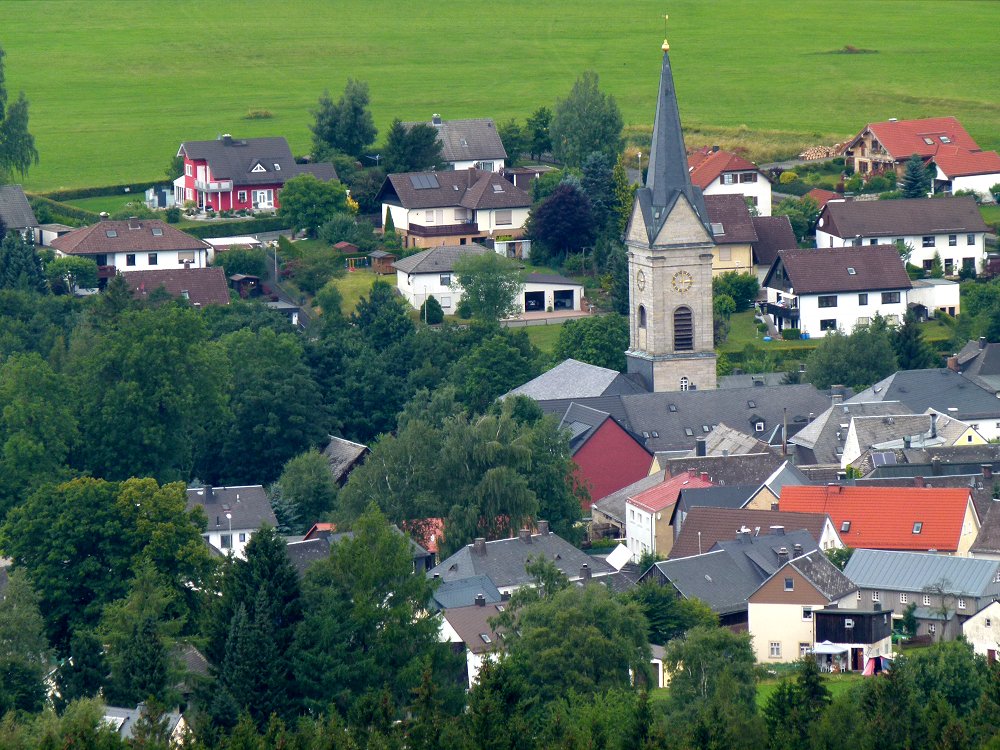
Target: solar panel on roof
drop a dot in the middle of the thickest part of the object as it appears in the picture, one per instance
(423, 181)
(884, 459)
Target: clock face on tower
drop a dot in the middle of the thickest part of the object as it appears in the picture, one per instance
(640, 280)
(681, 282)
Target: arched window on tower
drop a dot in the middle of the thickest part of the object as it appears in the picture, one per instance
(683, 330)
(642, 316)
(685, 384)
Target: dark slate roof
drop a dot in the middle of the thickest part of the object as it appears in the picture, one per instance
(708, 525)
(463, 592)
(123, 720)
(824, 575)
(758, 555)
(582, 422)
(988, 540)
(248, 505)
(234, 159)
(550, 278)
(343, 456)
(15, 211)
(720, 496)
(828, 269)
(572, 379)
(750, 468)
(302, 553)
(200, 286)
(466, 188)
(774, 233)
(824, 437)
(901, 217)
(914, 571)
(465, 140)
(504, 560)
(613, 505)
(731, 212)
(981, 364)
(940, 389)
(439, 259)
(130, 235)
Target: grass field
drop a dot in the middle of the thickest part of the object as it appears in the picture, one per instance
(98, 203)
(352, 287)
(835, 683)
(115, 86)
(544, 337)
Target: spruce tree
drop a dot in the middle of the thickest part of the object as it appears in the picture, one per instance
(83, 674)
(915, 182)
(912, 352)
(389, 227)
(20, 266)
(141, 667)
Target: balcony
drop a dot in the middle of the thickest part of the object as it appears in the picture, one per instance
(787, 308)
(447, 230)
(106, 272)
(213, 186)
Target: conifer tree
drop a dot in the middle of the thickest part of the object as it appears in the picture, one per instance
(20, 266)
(915, 182)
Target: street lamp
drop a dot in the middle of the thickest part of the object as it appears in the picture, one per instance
(638, 156)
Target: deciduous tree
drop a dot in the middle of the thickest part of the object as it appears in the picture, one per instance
(17, 145)
(537, 128)
(307, 482)
(491, 285)
(587, 120)
(345, 126)
(411, 149)
(600, 340)
(563, 223)
(308, 202)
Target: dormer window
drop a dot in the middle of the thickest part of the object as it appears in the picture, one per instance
(258, 168)
(277, 167)
(758, 427)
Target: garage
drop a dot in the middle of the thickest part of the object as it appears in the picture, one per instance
(534, 301)
(564, 299)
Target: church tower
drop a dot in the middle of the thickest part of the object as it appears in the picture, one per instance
(670, 243)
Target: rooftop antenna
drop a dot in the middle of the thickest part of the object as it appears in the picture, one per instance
(666, 44)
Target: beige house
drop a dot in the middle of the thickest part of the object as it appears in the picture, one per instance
(734, 234)
(780, 612)
(982, 631)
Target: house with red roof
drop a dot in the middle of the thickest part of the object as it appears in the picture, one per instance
(959, 162)
(907, 519)
(648, 514)
(719, 172)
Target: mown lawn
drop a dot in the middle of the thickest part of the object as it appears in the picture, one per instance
(353, 286)
(544, 337)
(835, 683)
(110, 106)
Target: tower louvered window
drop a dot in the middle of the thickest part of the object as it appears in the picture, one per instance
(683, 330)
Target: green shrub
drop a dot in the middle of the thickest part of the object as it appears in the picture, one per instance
(93, 192)
(879, 184)
(464, 310)
(788, 177)
(761, 327)
(791, 334)
(56, 209)
(855, 184)
(258, 114)
(173, 215)
(431, 312)
(249, 226)
(251, 262)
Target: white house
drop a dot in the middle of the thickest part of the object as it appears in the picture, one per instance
(958, 169)
(648, 515)
(982, 631)
(468, 144)
(133, 245)
(234, 514)
(719, 172)
(837, 288)
(430, 273)
(951, 227)
(453, 208)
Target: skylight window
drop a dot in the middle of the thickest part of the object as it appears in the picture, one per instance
(672, 407)
(486, 638)
(497, 188)
(704, 428)
(945, 139)
(157, 231)
(845, 527)
(851, 271)
(717, 228)
(277, 167)
(929, 141)
(752, 404)
(689, 432)
(918, 527)
(111, 233)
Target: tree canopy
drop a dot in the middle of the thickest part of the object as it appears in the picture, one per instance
(345, 126)
(413, 148)
(308, 202)
(600, 340)
(491, 285)
(17, 144)
(587, 120)
(857, 360)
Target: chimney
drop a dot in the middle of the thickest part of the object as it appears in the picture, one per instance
(907, 442)
(700, 447)
(479, 546)
(436, 120)
(704, 476)
(105, 216)
(208, 493)
(227, 139)
(797, 549)
(524, 535)
(936, 466)
(953, 364)
(987, 471)
(480, 600)
(778, 530)
(543, 527)
(934, 417)
(743, 537)
(585, 572)
(692, 473)
(982, 342)
(837, 394)
(782, 555)
(918, 481)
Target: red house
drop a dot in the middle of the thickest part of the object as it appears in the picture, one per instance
(229, 174)
(607, 456)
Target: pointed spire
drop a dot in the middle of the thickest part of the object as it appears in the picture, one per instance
(668, 173)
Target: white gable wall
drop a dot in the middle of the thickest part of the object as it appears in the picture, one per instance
(761, 190)
(976, 250)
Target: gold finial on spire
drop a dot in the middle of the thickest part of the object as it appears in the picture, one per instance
(666, 44)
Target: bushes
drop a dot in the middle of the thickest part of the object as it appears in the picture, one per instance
(62, 210)
(788, 177)
(431, 311)
(249, 226)
(173, 215)
(742, 287)
(246, 261)
(791, 334)
(93, 192)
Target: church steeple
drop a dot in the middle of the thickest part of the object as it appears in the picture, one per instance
(668, 175)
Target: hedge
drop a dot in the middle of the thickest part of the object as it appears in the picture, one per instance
(92, 192)
(245, 226)
(63, 209)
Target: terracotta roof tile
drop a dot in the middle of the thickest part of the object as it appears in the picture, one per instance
(664, 495)
(885, 517)
(706, 166)
(822, 197)
(955, 161)
(125, 237)
(903, 138)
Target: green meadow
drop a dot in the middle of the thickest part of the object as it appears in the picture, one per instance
(115, 86)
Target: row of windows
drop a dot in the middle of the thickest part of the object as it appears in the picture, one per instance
(969, 264)
(226, 542)
(888, 298)
(931, 240)
(730, 178)
(904, 599)
(152, 259)
(774, 649)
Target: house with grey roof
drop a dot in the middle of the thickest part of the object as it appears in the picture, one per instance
(952, 228)
(15, 211)
(504, 561)
(430, 273)
(944, 590)
(780, 611)
(572, 379)
(725, 577)
(123, 721)
(943, 390)
(453, 208)
(822, 441)
(468, 144)
(234, 514)
(607, 515)
(240, 174)
(344, 457)
(465, 592)
(705, 525)
(979, 361)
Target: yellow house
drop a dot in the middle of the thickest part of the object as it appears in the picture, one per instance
(734, 233)
(880, 434)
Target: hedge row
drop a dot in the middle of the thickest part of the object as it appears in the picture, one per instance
(92, 192)
(245, 226)
(63, 209)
